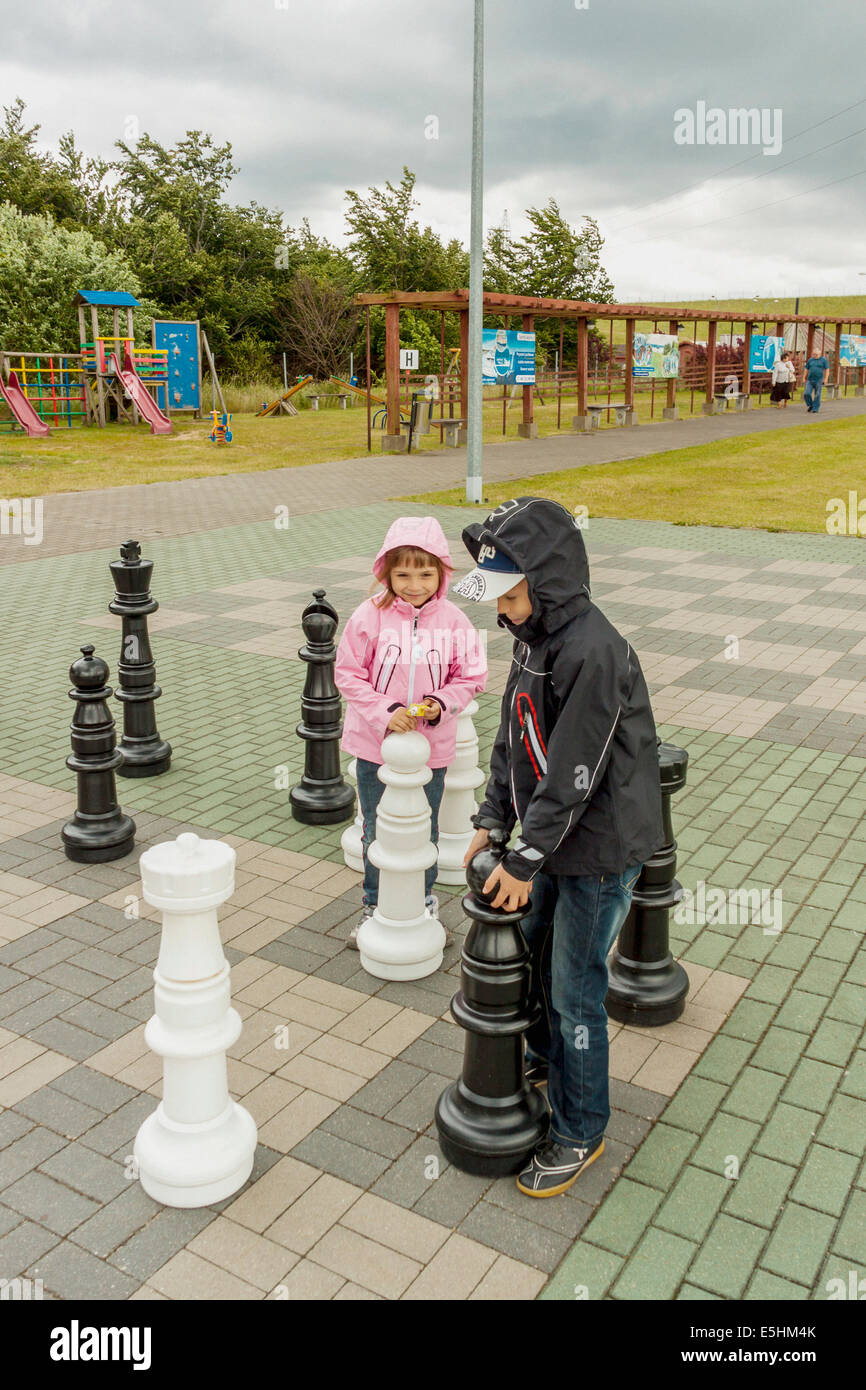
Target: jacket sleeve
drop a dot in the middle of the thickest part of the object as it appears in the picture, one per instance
(497, 808)
(578, 751)
(352, 676)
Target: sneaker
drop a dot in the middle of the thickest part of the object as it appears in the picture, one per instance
(536, 1074)
(352, 942)
(554, 1167)
(431, 905)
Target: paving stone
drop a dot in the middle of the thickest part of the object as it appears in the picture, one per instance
(117, 1221)
(26, 1152)
(514, 1235)
(149, 1249)
(798, 1244)
(12, 1126)
(727, 1257)
(409, 1178)
(825, 1180)
(91, 1087)
(844, 1126)
(655, 1268)
(49, 1203)
(369, 1131)
(621, 1221)
(695, 1103)
(662, 1154)
(22, 1246)
(85, 1171)
(788, 1134)
(337, 1156)
(586, 1272)
(67, 1039)
(415, 1110)
(694, 1199)
(121, 1127)
(754, 1094)
(759, 1192)
(812, 1084)
(73, 1273)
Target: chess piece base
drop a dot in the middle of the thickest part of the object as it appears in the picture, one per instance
(490, 1138)
(94, 844)
(322, 805)
(646, 993)
(194, 1165)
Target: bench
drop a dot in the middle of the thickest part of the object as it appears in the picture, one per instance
(620, 409)
(450, 431)
(721, 399)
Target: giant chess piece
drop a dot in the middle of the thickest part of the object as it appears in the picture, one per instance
(490, 1120)
(321, 797)
(198, 1145)
(646, 985)
(402, 941)
(99, 830)
(352, 838)
(145, 754)
(458, 800)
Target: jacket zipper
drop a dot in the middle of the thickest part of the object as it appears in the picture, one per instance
(510, 755)
(412, 657)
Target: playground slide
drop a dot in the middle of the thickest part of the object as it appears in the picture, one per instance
(139, 394)
(22, 409)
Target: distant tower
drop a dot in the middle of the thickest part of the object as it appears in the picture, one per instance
(506, 227)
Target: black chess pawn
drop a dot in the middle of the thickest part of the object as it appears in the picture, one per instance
(491, 1119)
(646, 985)
(322, 797)
(99, 830)
(145, 754)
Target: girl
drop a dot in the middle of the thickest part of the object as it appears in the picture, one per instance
(408, 644)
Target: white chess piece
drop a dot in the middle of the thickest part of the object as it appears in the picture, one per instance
(458, 800)
(198, 1145)
(352, 837)
(402, 941)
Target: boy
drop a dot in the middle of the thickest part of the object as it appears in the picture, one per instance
(575, 761)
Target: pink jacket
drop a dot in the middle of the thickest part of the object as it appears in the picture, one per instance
(376, 664)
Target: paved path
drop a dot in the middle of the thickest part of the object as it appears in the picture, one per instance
(79, 521)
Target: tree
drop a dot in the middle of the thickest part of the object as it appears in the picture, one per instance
(320, 322)
(30, 180)
(187, 181)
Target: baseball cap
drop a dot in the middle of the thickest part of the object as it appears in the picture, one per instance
(493, 576)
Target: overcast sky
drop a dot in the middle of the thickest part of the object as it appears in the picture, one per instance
(580, 105)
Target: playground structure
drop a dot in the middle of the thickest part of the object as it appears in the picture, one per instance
(110, 376)
(220, 427)
(283, 405)
(608, 385)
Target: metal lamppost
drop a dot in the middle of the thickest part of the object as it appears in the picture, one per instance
(475, 422)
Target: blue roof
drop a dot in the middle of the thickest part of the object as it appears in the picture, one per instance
(112, 299)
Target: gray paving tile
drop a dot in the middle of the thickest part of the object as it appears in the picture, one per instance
(384, 1091)
(26, 1153)
(20, 996)
(628, 1129)
(103, 916)
(415, 1110)
(67, 1039)
(514, 1235)
(49, 1203)
(12, 1126)
(345, 1160)
(22, 1246)
(9, 977)
(281, 953)
(106, 1023)
(9, 1219)
(59, 1112)
(568, 1217)
(168, 1232)
(39, 960)
(71, 977)
(86, 1171)
(332, 915)
(407, 1180)
(102, 963)
(117, 1221)
(635, 1100)
(91, 1087)
(429, 1057)
(449, 1198)
(117, 1131)
(73, 1273)
(369, 1131)
(40, 1010)
(75, 928)
(119, 993)
(344, 969)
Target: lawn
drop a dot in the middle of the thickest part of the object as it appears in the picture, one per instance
(776, 481)
(78, 459)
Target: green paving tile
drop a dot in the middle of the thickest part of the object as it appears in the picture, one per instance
(754, 1094)
(772, 1288)
(694, 1104)
(771, 984)
(695, 1197)
(690, 1292)
(821, 975)
(623, 1217)
(848, 1004)
(779, 1050)
(723, 1059)
(655, 1268)
(812, 1084)
(845, 1125)
(661, 1155)
(856, 972)
(709, 949)
(788, 1134)
(839, 1281)
(834, 1042)
(854, 1081)
(792, 950)
(825, 1179)
(749, 1020)
(798, 1244)
(586, 1273)
(760, 1190)
(801, 1011)
(842, 945)
(727, 1137)
(727, 1257)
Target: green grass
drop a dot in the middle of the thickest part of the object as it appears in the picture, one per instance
(779, 480)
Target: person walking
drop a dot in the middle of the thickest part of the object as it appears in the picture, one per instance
(783, 381)
(815, 376)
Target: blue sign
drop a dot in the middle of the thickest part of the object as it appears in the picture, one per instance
(852, 351)
(508, 357)
(764, 352)
(183, 364)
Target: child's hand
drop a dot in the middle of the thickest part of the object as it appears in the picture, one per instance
(430, 712)
(401, 722)
(480, 840)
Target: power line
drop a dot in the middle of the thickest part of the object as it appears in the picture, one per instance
(739, 164)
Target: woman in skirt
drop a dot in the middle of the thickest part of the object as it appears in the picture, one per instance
(783, 380)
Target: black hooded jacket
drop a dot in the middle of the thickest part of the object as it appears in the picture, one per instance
(575, 759)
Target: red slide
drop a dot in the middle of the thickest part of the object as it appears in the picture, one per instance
(22, 409)
(139, 394)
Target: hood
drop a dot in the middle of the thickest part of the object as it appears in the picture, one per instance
(543, 538)
(427, 534)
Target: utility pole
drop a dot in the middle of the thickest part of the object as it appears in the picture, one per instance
(473, 367)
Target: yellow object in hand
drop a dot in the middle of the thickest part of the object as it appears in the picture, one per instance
(422, 711)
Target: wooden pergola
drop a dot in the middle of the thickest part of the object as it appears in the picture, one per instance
(528, 309)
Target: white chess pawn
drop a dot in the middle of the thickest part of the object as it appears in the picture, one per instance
(458, 800)
(352, 837)
(402, 941)
(198, 1145)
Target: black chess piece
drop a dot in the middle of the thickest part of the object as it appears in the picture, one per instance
(99, 830)
(491, 1119)
(145, 754)
(322, 797)
(646, 985)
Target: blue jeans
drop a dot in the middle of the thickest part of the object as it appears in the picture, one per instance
(572, 925)
(812, 393)
(370, 791)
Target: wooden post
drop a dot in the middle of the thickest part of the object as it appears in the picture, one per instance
(369, 429)
(528, 428)
(464, 373)
(861, 374)
(747, 372)
(837, 370)
(580, 421)
(709, 404)
(100, 384)
(628, 393)
(394, 441)
(559, 380)
(670, 410)
(130, 331)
